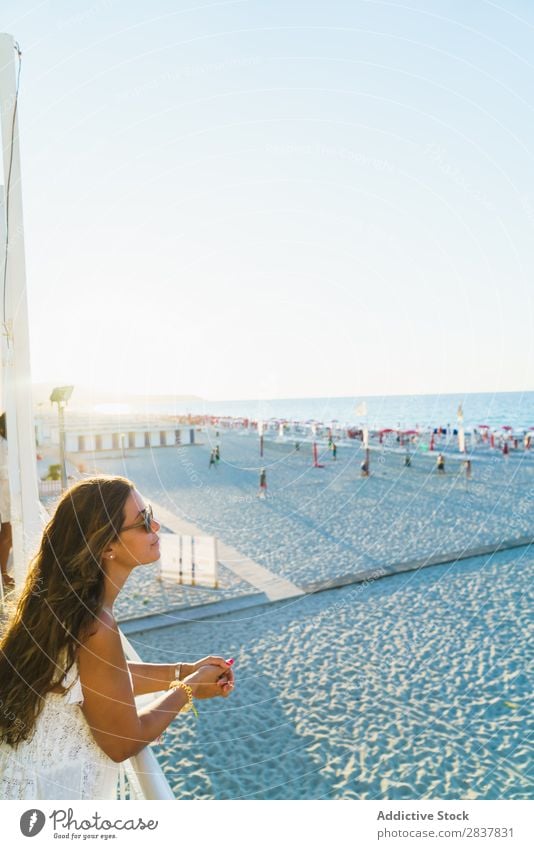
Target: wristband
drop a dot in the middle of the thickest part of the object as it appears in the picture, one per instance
(175, 685)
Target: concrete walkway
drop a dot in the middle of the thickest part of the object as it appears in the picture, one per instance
(236, 606)
(274, 587)
(384, 571)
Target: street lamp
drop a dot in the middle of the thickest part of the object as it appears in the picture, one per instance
(60, 396)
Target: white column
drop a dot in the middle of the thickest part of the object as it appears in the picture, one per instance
(15, 351)
(461, 433)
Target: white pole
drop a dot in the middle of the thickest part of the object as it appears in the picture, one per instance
(461, 432)
(15, 349)
(461, 439)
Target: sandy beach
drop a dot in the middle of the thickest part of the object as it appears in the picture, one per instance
(412, 686)
(319, 524)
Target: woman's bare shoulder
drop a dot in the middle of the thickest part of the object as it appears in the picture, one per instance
(103, 638)
(104, 624)
(101, 663)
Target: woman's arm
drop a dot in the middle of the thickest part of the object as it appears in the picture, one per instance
(109, 706)
(153, 677)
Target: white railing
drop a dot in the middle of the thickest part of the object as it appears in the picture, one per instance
(144, 773)
(49, 489)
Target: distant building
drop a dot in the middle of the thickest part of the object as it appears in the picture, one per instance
(101, 436)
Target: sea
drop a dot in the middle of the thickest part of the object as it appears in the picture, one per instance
(493, 409)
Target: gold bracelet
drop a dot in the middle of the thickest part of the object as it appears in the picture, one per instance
(175, 685)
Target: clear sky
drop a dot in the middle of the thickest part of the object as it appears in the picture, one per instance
(270, 198)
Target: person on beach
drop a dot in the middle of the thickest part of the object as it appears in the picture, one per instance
(67, 692)
(263, 484)
(212, 459)
(407, 459)
(217, 453)
(364, 469)
(440, 463)
(468, 469)
(6, 539)
(334, 451)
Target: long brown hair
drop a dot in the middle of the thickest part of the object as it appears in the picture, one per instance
(60, 600)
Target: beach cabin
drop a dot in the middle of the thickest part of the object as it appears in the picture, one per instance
(169, 437)
(131, 439)
(106, 441)
(71, 441)
(154, 438)
(105, 437)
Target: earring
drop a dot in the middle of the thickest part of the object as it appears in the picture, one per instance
(111, 556)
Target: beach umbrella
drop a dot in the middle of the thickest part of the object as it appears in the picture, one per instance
(383, 431)
(506, 427)
(483, 426)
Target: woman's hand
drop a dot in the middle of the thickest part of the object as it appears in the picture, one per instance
(226, 673)
(208, 682)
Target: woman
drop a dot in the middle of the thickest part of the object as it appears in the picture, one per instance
(67, 711)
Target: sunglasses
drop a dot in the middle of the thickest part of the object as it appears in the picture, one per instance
(145, 522)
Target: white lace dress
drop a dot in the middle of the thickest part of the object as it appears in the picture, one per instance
(61, 760)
